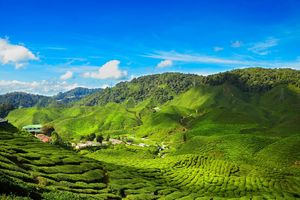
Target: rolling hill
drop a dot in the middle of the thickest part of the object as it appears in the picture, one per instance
(230, 135)
(74, 94)
(14, 100)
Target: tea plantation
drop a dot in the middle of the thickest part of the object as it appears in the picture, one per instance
(134, 174)
(36, 170)
(233, 135)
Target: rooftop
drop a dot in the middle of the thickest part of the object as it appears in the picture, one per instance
(32, 126)
(2, 120)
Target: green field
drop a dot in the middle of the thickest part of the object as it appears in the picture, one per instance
(216, 139)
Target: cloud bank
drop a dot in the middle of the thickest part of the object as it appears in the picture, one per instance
(193, 58)
(109, 70)
(35, 87)
(234, 62)
(66, 76)
(236, 44)
(217, 49)
(165, 63)
(17, 55)
(263, 48)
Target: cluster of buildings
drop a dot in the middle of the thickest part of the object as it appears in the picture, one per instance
(36, 129)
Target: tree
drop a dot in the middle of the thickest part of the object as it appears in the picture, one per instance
(107, 138)
(5, 109)
(99, 138)
(55, 138)
(47, 129)
(184, 137)
(91, 137)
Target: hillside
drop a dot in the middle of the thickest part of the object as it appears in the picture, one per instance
(31, 169)
(74, 94)
(163, 87)
(198, 108)
(21, 99)
(231, 135)
(35, 170)
(13, 100)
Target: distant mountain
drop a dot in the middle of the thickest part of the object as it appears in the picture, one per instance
(13, 100)
(22, 99)
(75, 94)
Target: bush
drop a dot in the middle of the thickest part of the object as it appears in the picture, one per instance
(89, 137)
(47, 129)
(99, 138)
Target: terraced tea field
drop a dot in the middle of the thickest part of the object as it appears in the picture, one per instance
(194, 177)
(37, 170)
(34, 170)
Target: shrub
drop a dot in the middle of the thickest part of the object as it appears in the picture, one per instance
(99, 138)
(47, 129)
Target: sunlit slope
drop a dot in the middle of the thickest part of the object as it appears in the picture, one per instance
(37, 170)
(76, 121)
(224, 109)
(37, 115)
(193, 176)
(110, 117)
(24, 116)
(202, 110)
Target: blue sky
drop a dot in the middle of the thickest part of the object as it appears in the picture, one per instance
(51, 46)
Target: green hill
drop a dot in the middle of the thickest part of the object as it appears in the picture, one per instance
(30, 168)
(21, 99)
(230, 135)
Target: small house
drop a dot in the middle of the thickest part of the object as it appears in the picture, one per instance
(35, 128)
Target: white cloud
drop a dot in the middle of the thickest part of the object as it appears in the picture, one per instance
(236, 44)
(262, 48)
(17, 55)
(66, 76)
(235, 62)
(196, 58)
(165, 63)
(217, 49)
(35, 87)
(109, 70)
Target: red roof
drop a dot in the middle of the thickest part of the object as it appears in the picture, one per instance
(43, 137)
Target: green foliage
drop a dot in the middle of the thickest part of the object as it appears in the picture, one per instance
(256, 79)
(159, 87)
(20, 99)
(8, 127)
(74, 95)
(47, 129)
(5, 108)
(99, 138)
(163, 87)
(90, 137)
(57, 140)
